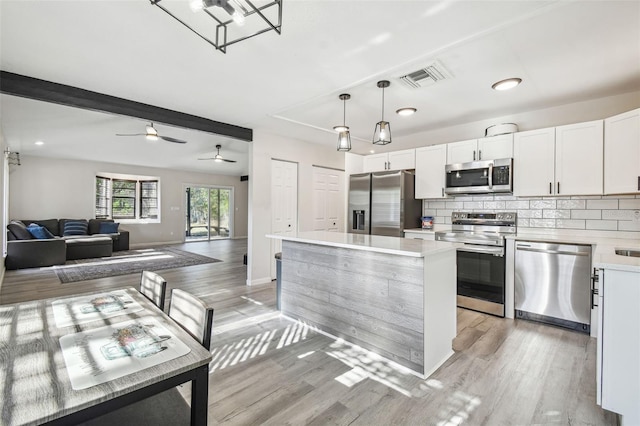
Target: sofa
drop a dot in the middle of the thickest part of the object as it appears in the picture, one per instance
(48, 242)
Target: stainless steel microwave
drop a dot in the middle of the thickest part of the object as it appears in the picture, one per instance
(479, 177)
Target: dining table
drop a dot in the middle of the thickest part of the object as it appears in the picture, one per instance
(69, 359)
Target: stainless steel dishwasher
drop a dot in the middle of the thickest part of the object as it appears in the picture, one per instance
(553, 284)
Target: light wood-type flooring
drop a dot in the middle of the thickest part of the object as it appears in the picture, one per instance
(269, 370)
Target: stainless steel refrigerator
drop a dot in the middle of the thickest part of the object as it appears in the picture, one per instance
(383, 203)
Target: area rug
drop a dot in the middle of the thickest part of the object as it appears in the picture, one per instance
(129, 262)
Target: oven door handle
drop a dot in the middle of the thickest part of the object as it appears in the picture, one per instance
(472, 248)
(471, 241)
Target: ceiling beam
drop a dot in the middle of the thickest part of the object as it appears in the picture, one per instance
(43, 90)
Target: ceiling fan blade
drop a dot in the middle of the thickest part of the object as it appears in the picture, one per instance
(169, 139)
(212, 158)
(228, 161)
(131, 134)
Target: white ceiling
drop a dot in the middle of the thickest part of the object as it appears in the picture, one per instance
(565, 52)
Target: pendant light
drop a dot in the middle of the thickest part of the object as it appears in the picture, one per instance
(344, 137)
(382, 134)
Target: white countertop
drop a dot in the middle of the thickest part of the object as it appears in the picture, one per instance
(436, 228)
(374, 243)
(604, 255)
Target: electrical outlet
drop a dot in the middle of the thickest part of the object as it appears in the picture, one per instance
(636, 215)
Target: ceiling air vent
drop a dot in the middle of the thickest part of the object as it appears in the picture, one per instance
(426, 76)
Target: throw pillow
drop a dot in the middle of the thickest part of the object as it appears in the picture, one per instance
(108, 228)
(19, 231)
(75, 227)
(39, 232)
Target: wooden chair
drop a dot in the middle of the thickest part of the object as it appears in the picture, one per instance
(153, 287)
(193, 315)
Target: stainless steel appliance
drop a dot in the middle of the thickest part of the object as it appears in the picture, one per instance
(481, 260)
(383, 203)
(553, 284)
(479, 177)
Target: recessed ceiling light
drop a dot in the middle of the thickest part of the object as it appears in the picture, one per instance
(406, 111)
(39, 143)
(340, 129)
(372, 151)
(507, 84)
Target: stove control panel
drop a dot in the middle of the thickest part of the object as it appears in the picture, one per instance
(501, 218)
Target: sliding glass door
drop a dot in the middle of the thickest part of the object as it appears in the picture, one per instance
(208, 215)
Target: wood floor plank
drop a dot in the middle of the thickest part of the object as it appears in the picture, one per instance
(270, 370)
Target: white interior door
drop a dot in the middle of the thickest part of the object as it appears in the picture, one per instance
(284, 204)
(328, 199)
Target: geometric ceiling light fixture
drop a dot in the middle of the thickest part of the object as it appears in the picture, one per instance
(344, 137)
(382, 133)
(507, 84)
(222, 23)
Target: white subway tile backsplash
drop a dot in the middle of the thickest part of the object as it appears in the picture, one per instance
(605, 225)
(617, 214)
(542, 223)
(543, 204)
(436, 205)
(556, 214)
(517, 205)
(570, 224)
(494, 205)
(455, 205)
(525, 223)
(470, 205)
(586, 214)
(571, 204)
(609, 213)
(602, 204)
(629, 225)
(631, 204)
(530, 214)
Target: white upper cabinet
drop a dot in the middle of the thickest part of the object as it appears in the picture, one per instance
(490, 148)
(395, 160)
(579, 158)
(622, 153)
(430, 163)
(462, 152)
(534, 162)
(495, 147)
(565, 160)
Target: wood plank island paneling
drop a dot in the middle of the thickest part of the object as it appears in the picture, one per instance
(402, 307)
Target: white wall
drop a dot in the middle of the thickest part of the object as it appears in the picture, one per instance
(44, 188)
(264, 148)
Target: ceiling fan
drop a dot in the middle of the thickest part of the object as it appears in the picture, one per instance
(152, 135)
(218, 158)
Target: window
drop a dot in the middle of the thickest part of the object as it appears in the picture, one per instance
(126, 197)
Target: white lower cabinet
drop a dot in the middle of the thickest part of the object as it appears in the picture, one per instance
(618, 357)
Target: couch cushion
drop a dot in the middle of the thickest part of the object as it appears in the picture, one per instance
(19, 230)
(108, 228)
(39, 232)
(50, 224)
(75, 227)
(94, 225)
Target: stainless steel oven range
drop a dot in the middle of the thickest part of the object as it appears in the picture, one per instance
(481, 258)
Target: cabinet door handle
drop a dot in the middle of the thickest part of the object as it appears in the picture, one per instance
(479, 154)
(474, 155)
(558, 187)
(443, 191)
(550, 187)
(638, 183)
(594, 291)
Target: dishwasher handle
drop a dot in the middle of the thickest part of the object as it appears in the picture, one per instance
(523, 247)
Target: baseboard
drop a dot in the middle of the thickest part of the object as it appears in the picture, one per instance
(239, 238)
(162, 243)
(2, 269)
(259, 281)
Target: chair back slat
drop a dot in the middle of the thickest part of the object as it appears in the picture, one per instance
(193, 315)
(153, 287)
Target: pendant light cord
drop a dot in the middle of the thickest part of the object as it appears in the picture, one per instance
(344, 112)
(383, 103)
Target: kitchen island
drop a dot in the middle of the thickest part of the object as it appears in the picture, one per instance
(393, 296)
